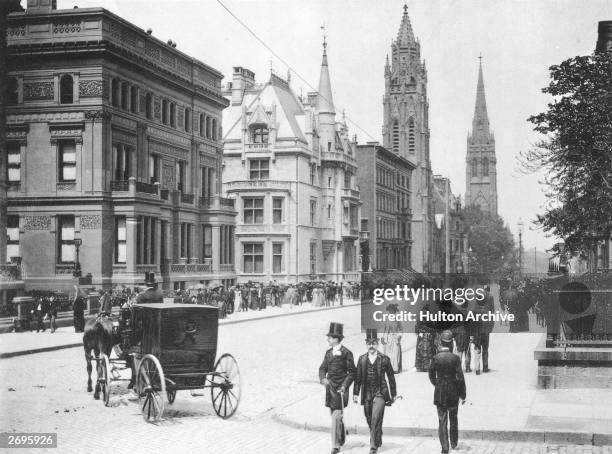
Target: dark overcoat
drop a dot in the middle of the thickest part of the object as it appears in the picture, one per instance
(150, 295)
(446, 375)
(386, 378)
(340, 371)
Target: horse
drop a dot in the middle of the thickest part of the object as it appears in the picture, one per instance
(98, 336)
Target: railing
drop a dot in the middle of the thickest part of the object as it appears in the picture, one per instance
(224, 267)
(336, 156)
(258, 184)
(256, 147)
(190, 268)
(187, 198)
(146, 269)
(120, 185)
(347, 192)
(209, 202)
(146, 188)
(10, 273)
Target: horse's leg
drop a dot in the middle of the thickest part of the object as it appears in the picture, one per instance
(88, 361)
(130, 362)
(97, 391)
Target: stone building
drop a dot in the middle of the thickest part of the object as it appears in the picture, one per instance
(290, 167)
(386, 212)
(114, 154)
(406, 132)
(450, 246)
(481, 163)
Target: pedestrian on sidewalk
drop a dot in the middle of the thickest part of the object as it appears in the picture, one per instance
(375, 381)
(52, 313)
(447, 377)
(40, 313)
(482, 343)
(336, 373)
(78, 311)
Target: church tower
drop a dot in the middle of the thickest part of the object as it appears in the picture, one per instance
(481, 164)
(406, 132)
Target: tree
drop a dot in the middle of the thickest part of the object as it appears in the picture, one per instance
(576, 153)
(492, 249)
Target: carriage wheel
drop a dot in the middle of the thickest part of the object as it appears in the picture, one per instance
(104, 377)
(226, 386)
(151, 386)
(171, 393)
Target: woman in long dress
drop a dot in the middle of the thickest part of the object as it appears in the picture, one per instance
(392, 339)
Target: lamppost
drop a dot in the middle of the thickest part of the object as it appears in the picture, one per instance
(77, 265)
(520, 232)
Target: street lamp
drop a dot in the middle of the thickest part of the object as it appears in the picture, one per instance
(520, 232)
(77, 265)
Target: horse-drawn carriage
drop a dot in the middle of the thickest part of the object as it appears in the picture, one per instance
(172, 347)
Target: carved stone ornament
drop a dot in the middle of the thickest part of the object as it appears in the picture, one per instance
(97, 115)
(91, 222)
(66, 186)
(66, 27)
(69, 131)
(38, 90)
(36, 223)
(90, 88)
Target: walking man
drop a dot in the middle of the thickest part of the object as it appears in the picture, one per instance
(336, 373)
(446, 375)
(375, 381)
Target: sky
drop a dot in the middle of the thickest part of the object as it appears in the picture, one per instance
(518, 39)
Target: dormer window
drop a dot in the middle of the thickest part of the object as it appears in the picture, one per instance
(259, 134)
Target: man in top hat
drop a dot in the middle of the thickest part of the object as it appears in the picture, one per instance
(336, 373)
(375, 381)
(152, 294)
(446, 375)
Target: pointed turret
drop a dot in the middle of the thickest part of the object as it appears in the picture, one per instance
(405, 36)
(325, 101)
(480, 123)
(387, 67)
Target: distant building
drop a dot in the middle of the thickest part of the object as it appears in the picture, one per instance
(290, 167)
(450, 245)
(384, 180)
(406, 133)
(481, 162)
(114, 154)
(604, 39)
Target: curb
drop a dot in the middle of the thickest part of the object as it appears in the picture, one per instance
(532, 436)
(221, 322)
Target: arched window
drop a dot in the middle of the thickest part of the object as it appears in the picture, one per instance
(13, 91)
(395, 137)
(214, 129)
(474, 167)
(172, 115)
(259, 134)
(165, 112)
(66, 89)
(485, 167)
(125, 95)
(411, 143)
(187, 119)
(115, 93)
(133, 99)
(149, 105)
(202, 125)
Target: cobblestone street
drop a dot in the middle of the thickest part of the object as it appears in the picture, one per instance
(46, 392)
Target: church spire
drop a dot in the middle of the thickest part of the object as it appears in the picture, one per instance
(405, 36)
(325, 101)
(480, 122)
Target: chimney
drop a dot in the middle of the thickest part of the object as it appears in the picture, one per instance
(41, 6)
(243, 79)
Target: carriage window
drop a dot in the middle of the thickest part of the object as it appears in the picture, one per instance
(66, 89)
(253, 257)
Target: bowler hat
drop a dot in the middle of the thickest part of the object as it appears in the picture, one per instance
(447, 336)
(149, 278)
(371, 334)
(336, 330)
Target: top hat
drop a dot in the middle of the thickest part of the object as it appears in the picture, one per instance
(336, 330)
(149, 278)
(371, 334)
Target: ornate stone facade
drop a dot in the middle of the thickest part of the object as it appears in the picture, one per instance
(38, 90)
(91, 222)
(91, 88)
(36, 222)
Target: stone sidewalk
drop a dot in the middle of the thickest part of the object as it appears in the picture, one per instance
(24, 343)
(503, 404)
